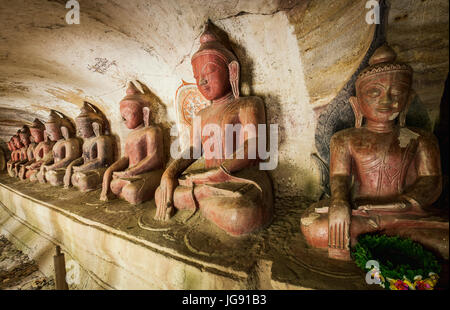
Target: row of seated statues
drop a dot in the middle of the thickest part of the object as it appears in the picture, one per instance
(384, 176)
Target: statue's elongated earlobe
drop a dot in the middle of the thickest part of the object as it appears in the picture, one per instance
(146, 115)
(233, 68)
(65, 132)
(97, 128)
(357, 111)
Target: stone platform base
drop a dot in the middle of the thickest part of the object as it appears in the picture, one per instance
(118, 246)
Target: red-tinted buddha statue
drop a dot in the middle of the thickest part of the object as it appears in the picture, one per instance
(384, 176)
(86, 172)
(229, 190)
(67, 147)
(136, 175)
(37, 136)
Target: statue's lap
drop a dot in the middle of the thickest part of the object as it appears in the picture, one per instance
(239, 206)
(138, 188)
(88, 180)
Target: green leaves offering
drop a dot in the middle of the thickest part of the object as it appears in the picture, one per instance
(397, 257)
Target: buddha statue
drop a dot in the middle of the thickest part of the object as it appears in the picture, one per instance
(228, 189)
(42, 151)
(11, 147)
(3, 158)
(384, 176)
(86, 172)
(36, 132)
(26, 151)
(24, 136)
(16, 155)
(12, 150)
(66, 149)
(136, 175)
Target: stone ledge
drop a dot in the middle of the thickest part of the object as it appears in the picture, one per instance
(114, 252)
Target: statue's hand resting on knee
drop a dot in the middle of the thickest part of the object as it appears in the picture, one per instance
(339, 230)
(165, 207)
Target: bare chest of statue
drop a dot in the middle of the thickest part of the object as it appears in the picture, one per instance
(216, 121)
(381, 165)
(59, 150)
(90, 148)
(41, 150)
(30, 151)
(136, 146)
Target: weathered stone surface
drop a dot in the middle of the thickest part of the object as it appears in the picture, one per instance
(418, 32)
(326, 31)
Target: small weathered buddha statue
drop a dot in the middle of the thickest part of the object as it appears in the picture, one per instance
(26, 150)
(16, 155)
(86, 172)
(66, 149)
(12, 149)
(37, 136)
(229, 190)
(42, 152)
(3, 158)
(384, 176)
(136, 175)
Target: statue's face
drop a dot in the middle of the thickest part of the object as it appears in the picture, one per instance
(131, 115)
(383, 96)
(84, 129)
(53, 131)
(25, 139)
(37, 134)
(16, 142)
(212, 76)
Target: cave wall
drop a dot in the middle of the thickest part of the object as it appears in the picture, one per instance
(296, 54)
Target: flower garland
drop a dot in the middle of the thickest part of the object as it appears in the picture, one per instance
(399, 260)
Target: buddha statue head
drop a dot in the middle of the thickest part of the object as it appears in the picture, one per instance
(24, 135)
(58, 126)
(11, 145)
(134, 108)
(16, 141)
(215, 67)
(89, 122)
(37, 129)
(383, 89)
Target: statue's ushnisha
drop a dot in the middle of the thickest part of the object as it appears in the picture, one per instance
(230, 191)
(384, 176)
